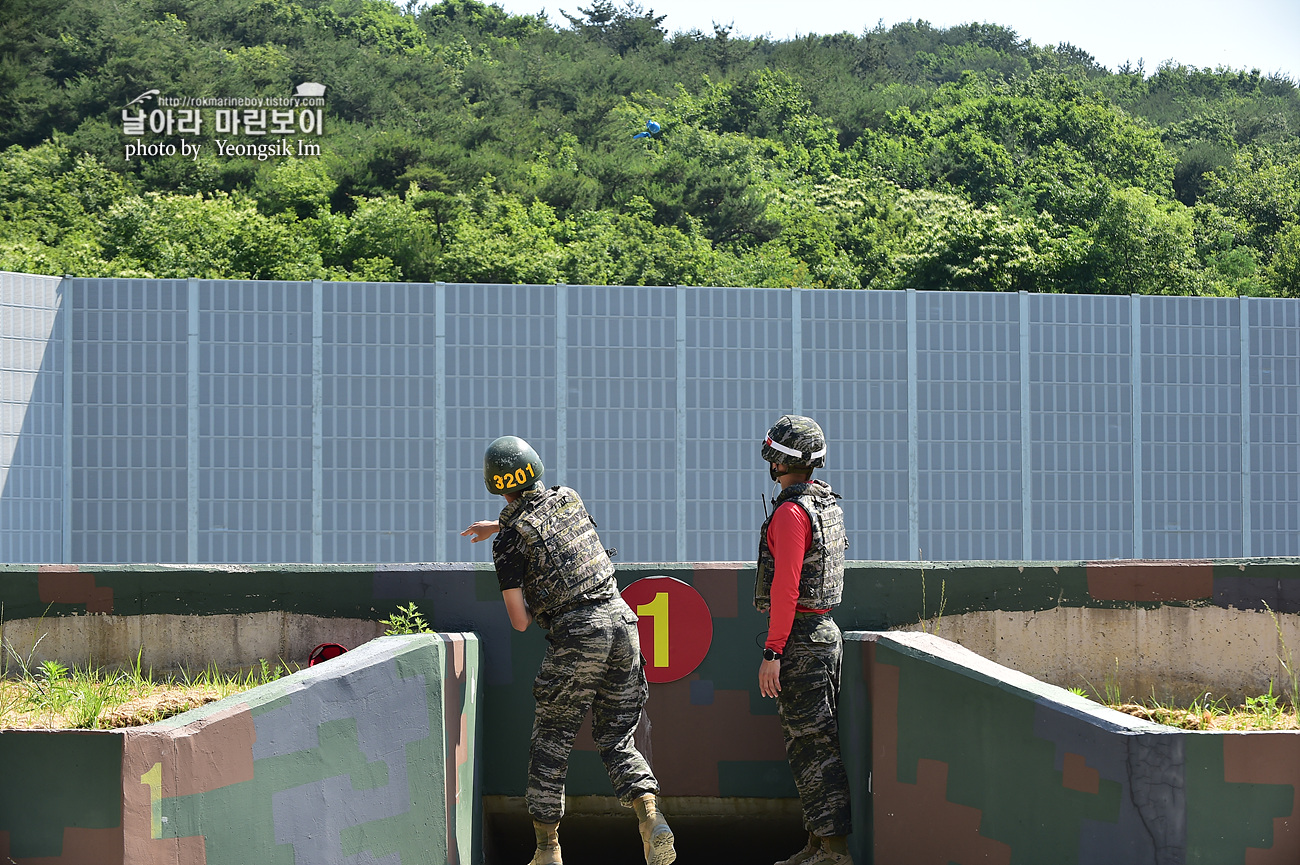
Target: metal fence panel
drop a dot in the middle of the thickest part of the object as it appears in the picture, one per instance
(621, 407)
(738, 380)
(243, 422)
(854, 376)
(1081, 427)
(129, 424)
(1191, 424)
(968, 439)
(378, 459)
(1273, 451)
(501, 368)
(254, 419)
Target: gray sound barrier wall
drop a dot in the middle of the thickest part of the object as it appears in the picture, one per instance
(262, 422)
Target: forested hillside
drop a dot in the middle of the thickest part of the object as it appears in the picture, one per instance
(460, 143)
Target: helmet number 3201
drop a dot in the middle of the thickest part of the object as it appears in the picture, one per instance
(517, 478)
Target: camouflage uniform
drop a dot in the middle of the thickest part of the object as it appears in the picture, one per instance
(810, 665)
(548, 547)
(807, 705)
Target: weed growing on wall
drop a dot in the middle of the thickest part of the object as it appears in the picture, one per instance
(407, 620)
(1286, 658)
(1266, 711)
(927, 626)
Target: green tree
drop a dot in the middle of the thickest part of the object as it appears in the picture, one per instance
(708, 179)
(1141, 245)
(1261, 191)
(218, 237)
(606, 248)
(299, 186)
(51, 203)
(622, 28)
(1284, 269)
(499, 239)
(391, 229)
(951, 245)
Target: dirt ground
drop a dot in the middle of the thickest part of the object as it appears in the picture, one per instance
(23, 706)
(1238, 719)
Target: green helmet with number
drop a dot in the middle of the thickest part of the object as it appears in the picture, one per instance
(510, 465)
(795, 441)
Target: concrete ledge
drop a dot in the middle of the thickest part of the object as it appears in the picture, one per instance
(1174, 654)
(372, 756)
(174, 642)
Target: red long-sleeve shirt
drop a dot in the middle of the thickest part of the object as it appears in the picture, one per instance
(788, 537)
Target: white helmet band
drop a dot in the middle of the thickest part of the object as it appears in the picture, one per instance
(780, 448)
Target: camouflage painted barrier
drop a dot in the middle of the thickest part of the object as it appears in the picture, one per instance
(710, 734)
(371, 757)
(968, 761)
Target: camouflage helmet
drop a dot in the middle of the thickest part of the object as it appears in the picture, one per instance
(795, 441)
(510, 465)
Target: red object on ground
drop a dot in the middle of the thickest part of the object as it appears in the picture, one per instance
(324, 652)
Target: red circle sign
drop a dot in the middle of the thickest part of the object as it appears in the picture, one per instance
(674, 624)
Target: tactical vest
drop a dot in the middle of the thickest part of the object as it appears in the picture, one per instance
(821, 582)
(566, 561)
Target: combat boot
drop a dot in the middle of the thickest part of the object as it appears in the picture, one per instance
(811, 849)
(656, 837)
(835, 851)
(548, 844)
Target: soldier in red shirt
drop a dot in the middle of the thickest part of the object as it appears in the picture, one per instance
(800, 579)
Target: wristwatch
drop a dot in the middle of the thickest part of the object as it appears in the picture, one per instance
(769, 655)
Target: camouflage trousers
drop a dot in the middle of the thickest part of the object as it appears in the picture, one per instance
(593, 662)
(807, 705)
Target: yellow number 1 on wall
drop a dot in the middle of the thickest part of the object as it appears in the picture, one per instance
(690, 630)
(657, 609)
(153, 780)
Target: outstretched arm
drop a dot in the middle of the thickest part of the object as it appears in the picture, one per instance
(482, 530)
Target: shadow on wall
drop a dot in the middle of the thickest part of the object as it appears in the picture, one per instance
(31, 418)
(373, 754)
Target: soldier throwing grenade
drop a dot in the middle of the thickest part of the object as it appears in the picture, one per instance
(553, 570)
(800, 579)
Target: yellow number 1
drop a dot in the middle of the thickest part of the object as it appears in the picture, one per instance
(658, 610)
(153, 780)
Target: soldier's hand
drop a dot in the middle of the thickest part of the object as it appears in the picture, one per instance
(769, 678)
(482, 530)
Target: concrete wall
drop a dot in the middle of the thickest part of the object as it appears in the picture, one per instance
(178, 644)
(711, 736)
(968, 761)
(711, 733)
(1170, 654)
(372, 757)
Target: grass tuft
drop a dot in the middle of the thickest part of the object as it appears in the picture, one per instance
(52, 696)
